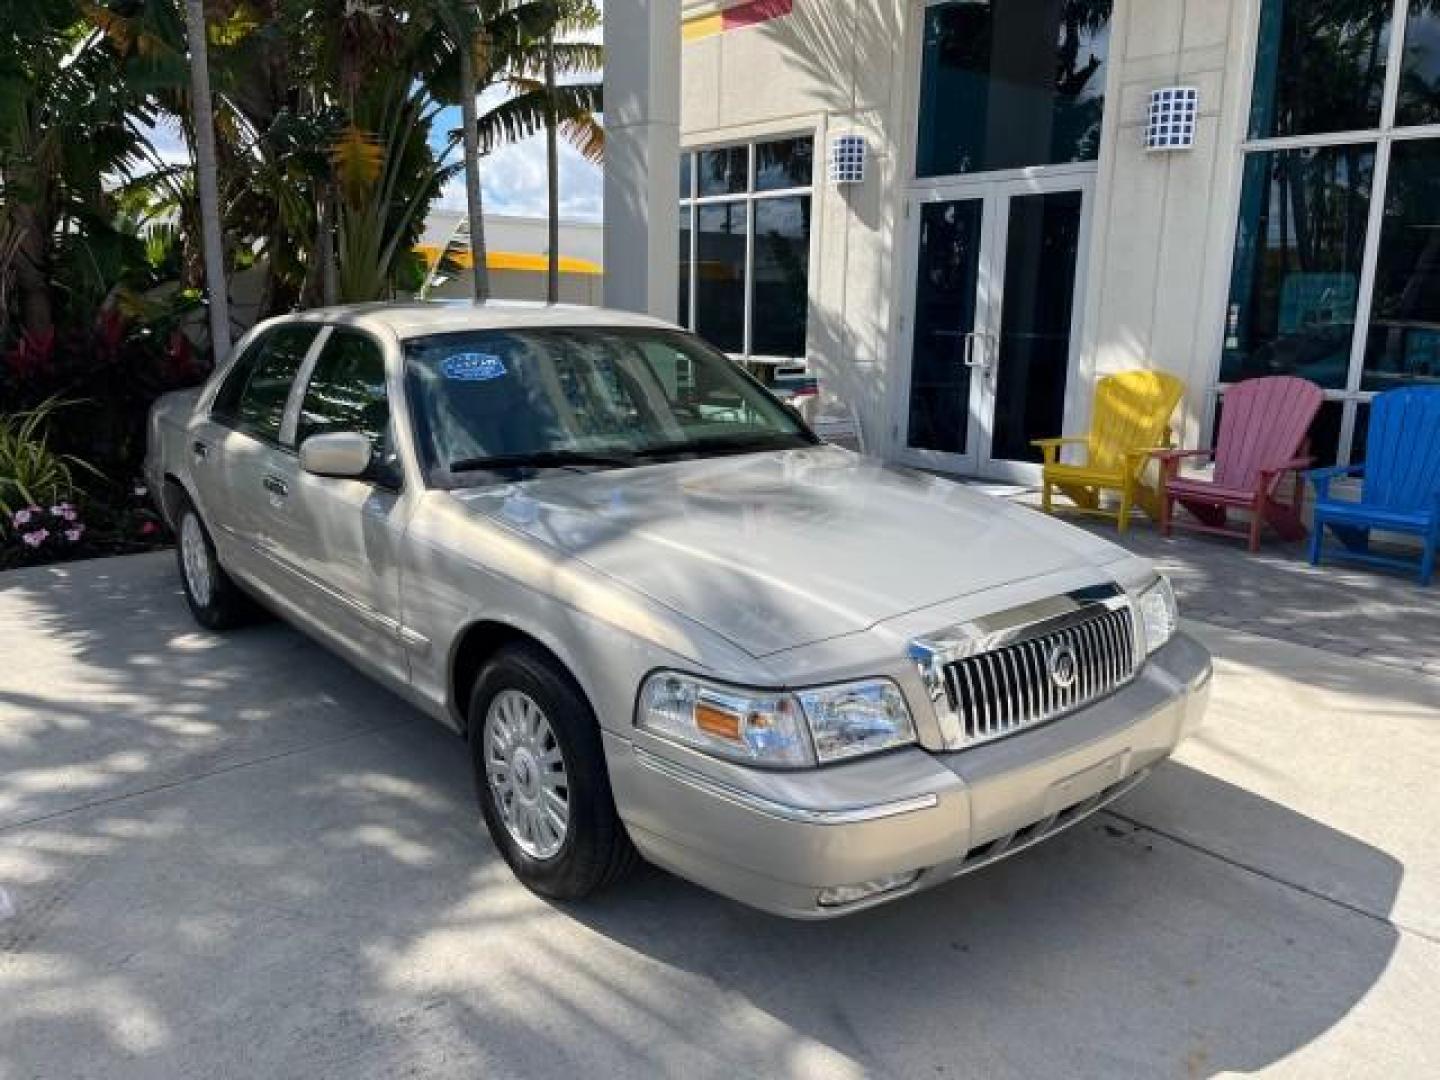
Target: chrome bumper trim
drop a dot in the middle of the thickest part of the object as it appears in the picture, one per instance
(850, 815)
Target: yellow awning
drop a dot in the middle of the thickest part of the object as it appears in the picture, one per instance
(511, 260)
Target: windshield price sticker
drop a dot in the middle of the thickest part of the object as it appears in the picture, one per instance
(472, 367)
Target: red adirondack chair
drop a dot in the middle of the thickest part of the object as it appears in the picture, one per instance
(1262, 436)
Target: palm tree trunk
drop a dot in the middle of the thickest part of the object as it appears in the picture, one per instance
(552, 173)
(207, 176)
(474, 200)
(32, 268)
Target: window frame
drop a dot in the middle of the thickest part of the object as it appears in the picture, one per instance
(1383, 138)
(691, 201)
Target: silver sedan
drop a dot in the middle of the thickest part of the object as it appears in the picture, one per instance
(668, 621)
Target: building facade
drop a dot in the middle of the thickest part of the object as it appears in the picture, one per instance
(1018, 232)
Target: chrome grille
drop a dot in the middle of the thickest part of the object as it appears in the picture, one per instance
(1030, 681)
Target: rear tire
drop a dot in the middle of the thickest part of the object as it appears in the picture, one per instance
(215, 600)
(541, 779)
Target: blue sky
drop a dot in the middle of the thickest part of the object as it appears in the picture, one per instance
(513, 177)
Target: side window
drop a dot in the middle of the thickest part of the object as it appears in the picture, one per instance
(347, 393)
(262, 406)
(347, 390)
(254, 394)
(226, 408)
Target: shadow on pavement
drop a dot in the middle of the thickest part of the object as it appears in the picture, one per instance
(321, 902)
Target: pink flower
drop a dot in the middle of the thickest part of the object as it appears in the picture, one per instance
(21, 517)
(73, 535)
(36, 538)
(64, 511)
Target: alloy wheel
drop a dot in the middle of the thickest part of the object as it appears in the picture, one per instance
(526, 773)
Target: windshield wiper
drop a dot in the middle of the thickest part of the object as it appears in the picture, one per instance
(739, 444)
(541, 459)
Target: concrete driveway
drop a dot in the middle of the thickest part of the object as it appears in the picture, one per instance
(235, 857)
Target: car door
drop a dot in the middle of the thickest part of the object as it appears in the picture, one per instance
(239, 462)
(341, 535)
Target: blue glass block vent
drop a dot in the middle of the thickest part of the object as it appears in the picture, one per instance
(1173, 112)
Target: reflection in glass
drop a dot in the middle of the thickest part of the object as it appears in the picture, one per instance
(683, 308)
(786, 163)
(1419, 101)
(945, 291)
(720, 275)
(1040, 256)
(1403, 343)
(1360, 439)
(1296, 272)
(346, 391)
(1319, 66)
(723, 171)
(1012, 84)
(262, 404)
(780, 276)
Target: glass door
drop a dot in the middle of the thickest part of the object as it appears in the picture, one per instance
(994, 329)
(1030, 356)
(945, 331)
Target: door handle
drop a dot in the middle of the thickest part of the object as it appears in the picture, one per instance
(970, 353)
(201, 449)
(276, 487)
(985, 355)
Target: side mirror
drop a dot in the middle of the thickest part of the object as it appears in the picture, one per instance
(346, 454)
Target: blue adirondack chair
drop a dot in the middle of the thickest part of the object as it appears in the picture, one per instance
(1402, 483)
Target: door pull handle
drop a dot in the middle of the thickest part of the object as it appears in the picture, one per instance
(201, 449)
(276, 487)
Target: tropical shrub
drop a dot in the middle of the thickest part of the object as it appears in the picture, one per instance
(31, 473)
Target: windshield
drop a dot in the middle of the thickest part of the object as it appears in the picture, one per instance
(508, 401)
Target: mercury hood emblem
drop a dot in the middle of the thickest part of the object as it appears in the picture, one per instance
(1064, 665)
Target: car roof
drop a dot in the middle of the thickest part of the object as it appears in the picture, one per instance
(407, 319)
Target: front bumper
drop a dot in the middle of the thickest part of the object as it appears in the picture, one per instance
(774, 840)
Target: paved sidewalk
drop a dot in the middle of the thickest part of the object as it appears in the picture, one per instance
(1353, 611)
(233, 856)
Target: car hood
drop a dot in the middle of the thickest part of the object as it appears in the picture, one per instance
(778, 550)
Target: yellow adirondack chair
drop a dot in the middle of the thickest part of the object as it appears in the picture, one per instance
(1132, 420)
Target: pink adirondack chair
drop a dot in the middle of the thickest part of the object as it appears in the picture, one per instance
(1262, 436)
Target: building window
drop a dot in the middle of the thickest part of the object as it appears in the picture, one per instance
(1013, 84)
(1336, 268)
(745, 246)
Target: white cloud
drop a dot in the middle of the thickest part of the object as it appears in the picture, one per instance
(513, 182)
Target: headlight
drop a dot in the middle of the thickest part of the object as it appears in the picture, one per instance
(754, 726)
(1158, 614)
(764, 727)
(857, 718)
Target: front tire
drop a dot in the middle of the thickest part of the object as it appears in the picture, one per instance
(215, 600)
(541, 779)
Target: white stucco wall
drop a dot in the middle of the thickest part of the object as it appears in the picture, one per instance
(1162, 225)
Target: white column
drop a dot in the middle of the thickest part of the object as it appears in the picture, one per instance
(642, 155)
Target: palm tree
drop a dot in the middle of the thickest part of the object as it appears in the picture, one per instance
(544, 51)
(468, 44)
(70, 122)
(571, 16)
(207, 174)
(519, 45)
